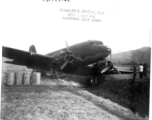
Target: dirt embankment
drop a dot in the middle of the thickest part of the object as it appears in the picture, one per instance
(59, 100)
(133, 95)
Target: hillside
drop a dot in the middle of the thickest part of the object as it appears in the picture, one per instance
(141, 55)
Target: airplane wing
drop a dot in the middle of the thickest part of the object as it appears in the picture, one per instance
(111, 69)
(123, 71)
(115, 70)
(26, 58)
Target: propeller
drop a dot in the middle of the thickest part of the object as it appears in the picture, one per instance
(69, 57)
(109, 66)
(110, 53)
(67, 46)
(105, 69)
(64, 64)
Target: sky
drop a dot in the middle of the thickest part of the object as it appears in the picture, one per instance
(125, 24)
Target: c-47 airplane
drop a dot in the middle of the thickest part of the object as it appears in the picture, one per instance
(86, 59)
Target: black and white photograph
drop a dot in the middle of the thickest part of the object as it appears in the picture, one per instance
(75, 59)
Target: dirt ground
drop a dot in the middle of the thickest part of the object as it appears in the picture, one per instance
(59, 100)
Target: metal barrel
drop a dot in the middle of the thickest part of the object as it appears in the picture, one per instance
(36, 77)
(26, 78)
(18, 78)
(10, 78)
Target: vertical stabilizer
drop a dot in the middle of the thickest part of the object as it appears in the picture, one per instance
(32, 49)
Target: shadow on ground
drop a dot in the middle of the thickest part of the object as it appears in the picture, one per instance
(125, 92)
(132, 95)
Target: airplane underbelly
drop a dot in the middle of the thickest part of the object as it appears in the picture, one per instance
(95, 58)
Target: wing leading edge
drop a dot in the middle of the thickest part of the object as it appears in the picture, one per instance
(28, 59)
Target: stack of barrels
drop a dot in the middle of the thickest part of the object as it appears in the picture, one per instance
(22, 78)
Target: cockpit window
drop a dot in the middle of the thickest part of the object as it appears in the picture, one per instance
(95, 42)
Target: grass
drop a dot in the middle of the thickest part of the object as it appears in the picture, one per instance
(132, 95)
(50, 101)
(60, 100)
(45, 102)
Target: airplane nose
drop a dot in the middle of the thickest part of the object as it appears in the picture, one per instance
(110, 52)
(105, 49)
(102, 49)
(109, 49)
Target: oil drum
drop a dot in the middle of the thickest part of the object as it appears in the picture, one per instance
(36, 77)
(26, 78)
(18, 78)
(10, 78)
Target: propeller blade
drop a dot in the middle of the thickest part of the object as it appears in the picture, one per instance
(117, 71)
(66, 62)
(111, 54)
(67, 46)
(105, 69)
(78, 58)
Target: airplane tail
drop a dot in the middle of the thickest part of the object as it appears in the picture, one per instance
(32, 49)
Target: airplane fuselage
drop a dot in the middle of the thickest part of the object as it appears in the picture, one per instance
(90, 51)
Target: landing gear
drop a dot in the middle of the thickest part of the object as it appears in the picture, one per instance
(53, 74)
(43, 72)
